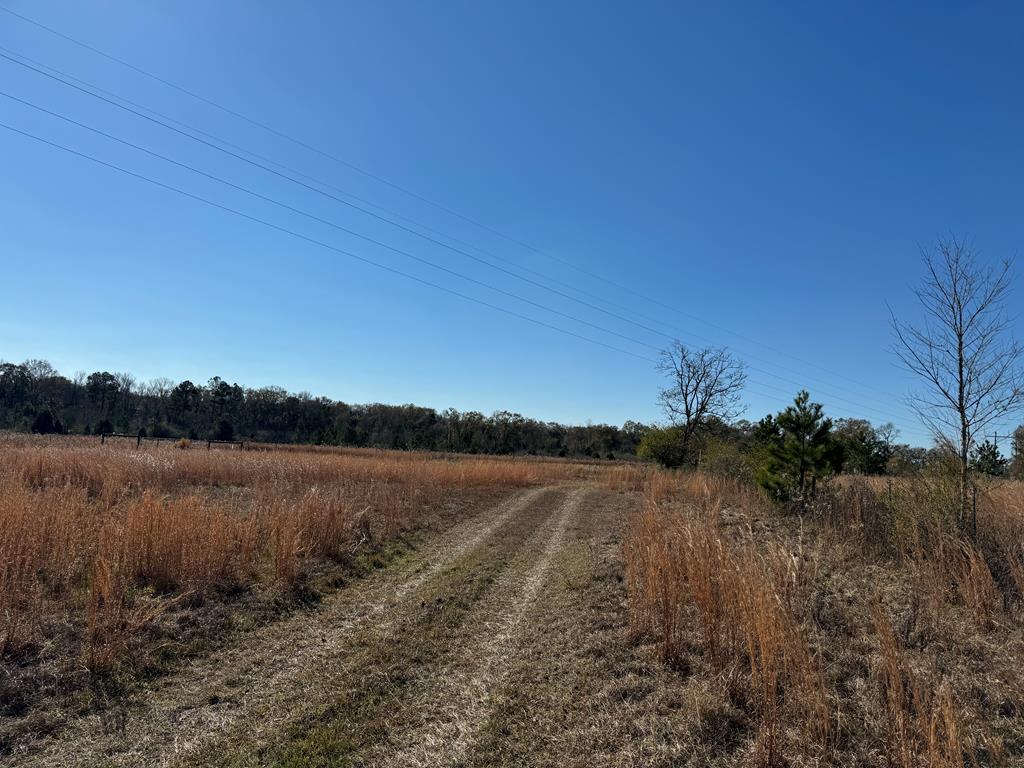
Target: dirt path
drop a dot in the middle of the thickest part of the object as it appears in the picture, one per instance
(455, 697)
(500, 644)
(214, 692)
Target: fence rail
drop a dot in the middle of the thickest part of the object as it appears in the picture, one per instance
(139, 438)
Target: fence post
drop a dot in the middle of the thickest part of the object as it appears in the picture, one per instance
(974, 512)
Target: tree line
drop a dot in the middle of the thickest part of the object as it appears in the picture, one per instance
(35, 397)
(962, 352)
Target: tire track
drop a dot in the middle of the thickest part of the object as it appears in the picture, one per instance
(456, 700)
(185, 711)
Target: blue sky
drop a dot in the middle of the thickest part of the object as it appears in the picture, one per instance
(760, 176)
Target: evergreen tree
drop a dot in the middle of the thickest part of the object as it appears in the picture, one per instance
(766, 431)
(225, 431)
(802, 452)
(43, 424)
(987, 459)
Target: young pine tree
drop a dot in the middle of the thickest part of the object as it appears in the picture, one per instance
(801, 451)
(986, 459)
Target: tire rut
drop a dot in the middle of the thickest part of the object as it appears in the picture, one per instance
(453, 702)
(368, 653)
(264, 669)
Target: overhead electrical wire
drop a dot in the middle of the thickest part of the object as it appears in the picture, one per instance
(347, 193)
(414, 232)
(374, 241)
(313, 240)
(322, 244)
(404, 190)
(370, 213)
(321, 220)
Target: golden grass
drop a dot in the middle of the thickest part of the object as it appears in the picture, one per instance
(682, 567)
(115, 534)
(714, 573)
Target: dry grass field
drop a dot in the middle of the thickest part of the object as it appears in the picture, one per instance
(331, 607)
(105, 549)
(862, 633)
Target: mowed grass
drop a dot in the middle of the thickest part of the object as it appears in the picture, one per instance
(863, 632)
(101, 545)
(386, 669)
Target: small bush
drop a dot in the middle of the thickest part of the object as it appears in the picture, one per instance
(663, 445)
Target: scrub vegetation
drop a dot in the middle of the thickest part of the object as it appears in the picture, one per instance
(861, 628)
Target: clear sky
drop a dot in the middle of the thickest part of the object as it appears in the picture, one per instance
(754, 175)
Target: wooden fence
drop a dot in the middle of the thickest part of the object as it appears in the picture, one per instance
(139, 438)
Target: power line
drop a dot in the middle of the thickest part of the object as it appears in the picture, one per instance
(321, 220)
(320, 243)
(314, 241)
(311, 188)
(384, 219)
(382, 180)
(374, 241)
(346, 193)
(252, 121)
(312, 148)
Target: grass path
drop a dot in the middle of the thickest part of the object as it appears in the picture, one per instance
(501, 642)
(453, 701)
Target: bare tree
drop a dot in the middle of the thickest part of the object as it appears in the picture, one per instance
(160, 387)
(704, 383)
(962, 351)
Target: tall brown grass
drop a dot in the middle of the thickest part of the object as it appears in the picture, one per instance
(112, 533)
(705, 580)
(913, 519)
(684, 569)
(924, 723)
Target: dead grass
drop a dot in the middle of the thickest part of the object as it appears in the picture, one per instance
(106, 538)
(924, 724)
(747, 604)
(865, 633)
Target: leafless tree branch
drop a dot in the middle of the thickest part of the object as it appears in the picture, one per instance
(961, 350)
(704, 383)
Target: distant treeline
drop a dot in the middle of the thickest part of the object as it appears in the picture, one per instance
(35, 397)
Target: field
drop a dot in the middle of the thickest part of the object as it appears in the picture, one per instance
(173, 605)
(861, 633)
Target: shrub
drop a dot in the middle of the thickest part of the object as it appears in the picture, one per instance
(43, 423)
(663, 445)
(224, 431)
(725, 459)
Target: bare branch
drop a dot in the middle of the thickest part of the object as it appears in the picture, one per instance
(960, 350)
(704, 383)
